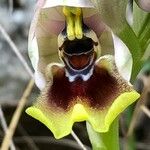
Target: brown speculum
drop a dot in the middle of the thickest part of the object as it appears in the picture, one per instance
(96, 89)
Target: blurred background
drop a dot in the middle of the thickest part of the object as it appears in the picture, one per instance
(15, 19)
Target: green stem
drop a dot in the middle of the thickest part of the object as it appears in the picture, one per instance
(130, 140)
(104, 141)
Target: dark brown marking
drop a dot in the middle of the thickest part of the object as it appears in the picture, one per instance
(95, 43)
(78, 46)
(80, 61)
(99, 90)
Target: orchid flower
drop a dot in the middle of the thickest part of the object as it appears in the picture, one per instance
(82, 86)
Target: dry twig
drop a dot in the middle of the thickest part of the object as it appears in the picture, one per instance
(10, 6)
(16, 50)
(10, 131)
(136, 112)
(142, 101)
(145, 110)
(4, 126)
(78, 140)
(27, 138)
(50, 140)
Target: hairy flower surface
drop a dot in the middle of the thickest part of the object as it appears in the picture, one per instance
(98, 100)
(84, 87)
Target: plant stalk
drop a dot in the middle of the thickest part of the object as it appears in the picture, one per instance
(104, 141)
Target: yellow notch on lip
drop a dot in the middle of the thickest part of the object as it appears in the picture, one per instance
(74, 22)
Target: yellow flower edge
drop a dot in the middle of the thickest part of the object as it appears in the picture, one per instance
(61, 124)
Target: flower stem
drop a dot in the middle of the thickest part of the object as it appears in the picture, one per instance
(104, 141)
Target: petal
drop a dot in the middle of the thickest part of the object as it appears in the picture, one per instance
(113, 13)
(123, 58)
(47, 23)
(62, 103)
(144, 4)
(45, 27)
(76, 3)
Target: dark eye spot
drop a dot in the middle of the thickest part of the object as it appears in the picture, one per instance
(78, 46)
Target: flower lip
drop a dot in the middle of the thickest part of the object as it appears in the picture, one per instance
(98, 100)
